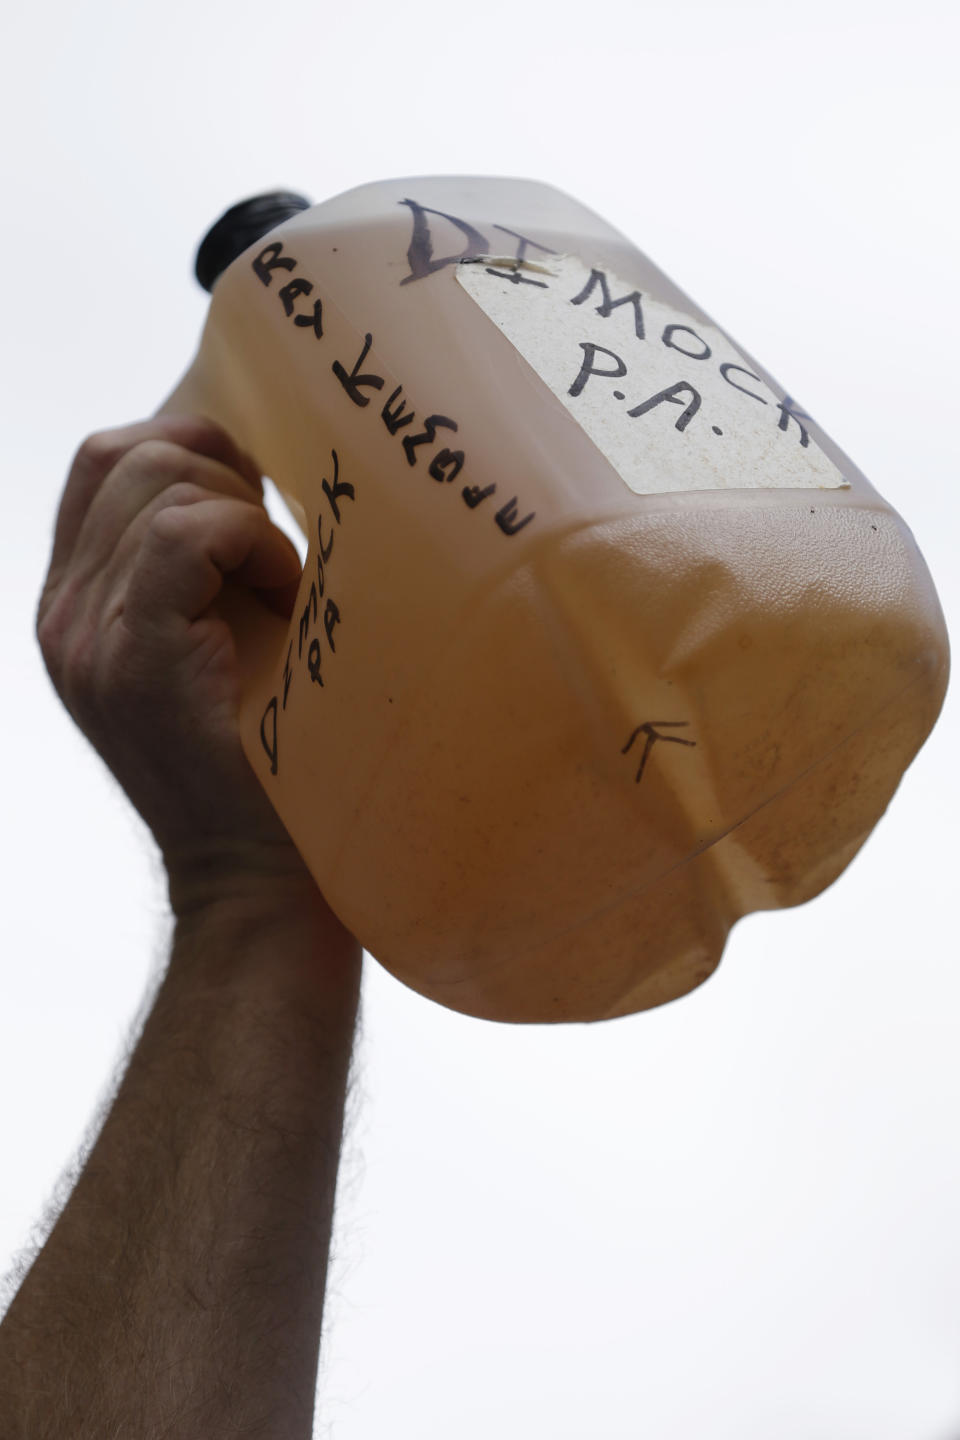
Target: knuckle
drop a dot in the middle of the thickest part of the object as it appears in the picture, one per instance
(157, 456)
(97, 453)
(169, 524)
(181, 493)
(177, 520)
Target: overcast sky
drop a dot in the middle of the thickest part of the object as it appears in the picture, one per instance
(733, 1218)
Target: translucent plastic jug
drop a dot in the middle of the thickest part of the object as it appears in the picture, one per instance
(601, 643)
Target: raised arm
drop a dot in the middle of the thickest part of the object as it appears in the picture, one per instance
(180, 1293)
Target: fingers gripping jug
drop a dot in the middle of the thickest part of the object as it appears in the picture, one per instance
(600, 644)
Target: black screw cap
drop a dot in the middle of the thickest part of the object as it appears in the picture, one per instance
(240, 227)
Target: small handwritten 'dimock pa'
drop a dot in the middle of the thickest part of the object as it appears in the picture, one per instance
(315, 639)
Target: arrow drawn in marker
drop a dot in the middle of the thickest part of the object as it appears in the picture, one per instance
(653, 735)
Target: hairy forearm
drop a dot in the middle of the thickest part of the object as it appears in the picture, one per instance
(180, 1293)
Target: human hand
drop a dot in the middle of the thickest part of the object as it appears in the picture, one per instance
(157, 521)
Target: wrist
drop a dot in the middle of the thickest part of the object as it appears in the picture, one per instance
(222, 873)
(252, 914)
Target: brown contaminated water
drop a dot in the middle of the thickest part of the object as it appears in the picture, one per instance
(577, 677)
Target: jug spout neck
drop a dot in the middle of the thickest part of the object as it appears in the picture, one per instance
(240, 227)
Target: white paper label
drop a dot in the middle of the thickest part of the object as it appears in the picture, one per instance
(666, 398)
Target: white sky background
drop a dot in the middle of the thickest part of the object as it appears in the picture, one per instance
(730, 1219)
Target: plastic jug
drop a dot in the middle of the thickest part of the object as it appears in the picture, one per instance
(601, 643)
